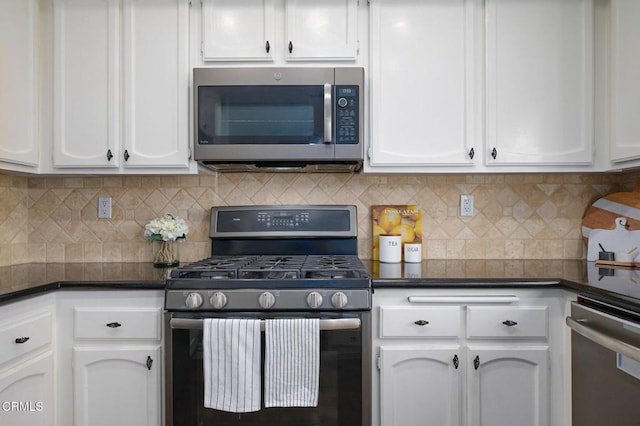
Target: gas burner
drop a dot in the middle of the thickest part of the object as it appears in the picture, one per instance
(214, 267)
(334, 274)
(273, 268)
(334, 266)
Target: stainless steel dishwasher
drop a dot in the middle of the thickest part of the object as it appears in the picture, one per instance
(605, 364)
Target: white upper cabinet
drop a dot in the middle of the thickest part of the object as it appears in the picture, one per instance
(121, 84)
(235, 30)
(425, 58)
(156, 83)
(625, 86)
(86, 83)
(325, 29)
(308, 30)
(539, 82)
(18, 82)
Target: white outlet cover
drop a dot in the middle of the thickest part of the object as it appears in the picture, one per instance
(466, 205)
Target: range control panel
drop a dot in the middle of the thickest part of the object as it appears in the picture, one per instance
(284, 220)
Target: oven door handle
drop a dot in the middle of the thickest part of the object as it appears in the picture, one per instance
(604, 340)
(325, 324)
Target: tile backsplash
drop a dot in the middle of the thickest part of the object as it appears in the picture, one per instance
(534, 216)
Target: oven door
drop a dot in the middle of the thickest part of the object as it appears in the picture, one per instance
(345, 380)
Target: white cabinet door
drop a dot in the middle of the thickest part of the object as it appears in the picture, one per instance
(420, 386)
(86, 83)
(245, 30)
(325, 29)
(237, 30)
(118, 385)
(121, 84)
(18, 85)
(156, 83)
(424, 82)
(508, 387)
(30, 386)
(625, 85)
(539, 82)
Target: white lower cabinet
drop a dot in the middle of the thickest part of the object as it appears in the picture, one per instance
(115, 385)
(26, 393)
(27, 363)
(420, 386)
(507, 387)
(467, 361)
(110, 349)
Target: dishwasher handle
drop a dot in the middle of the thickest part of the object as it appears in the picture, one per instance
(604, 340)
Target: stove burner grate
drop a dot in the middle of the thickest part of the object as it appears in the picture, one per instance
(274, 267)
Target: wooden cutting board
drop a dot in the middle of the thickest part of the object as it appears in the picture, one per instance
(603, 213)
(617, 240)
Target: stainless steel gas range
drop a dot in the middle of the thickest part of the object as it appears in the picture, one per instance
(272, 262)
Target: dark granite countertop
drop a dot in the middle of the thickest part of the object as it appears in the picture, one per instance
(620, 286)
(33, 278)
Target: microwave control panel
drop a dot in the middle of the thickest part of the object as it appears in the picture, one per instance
(347, 115)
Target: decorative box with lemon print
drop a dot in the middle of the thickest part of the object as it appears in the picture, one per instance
(403, 220)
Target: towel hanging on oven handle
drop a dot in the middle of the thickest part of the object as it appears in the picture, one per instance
(325, 324)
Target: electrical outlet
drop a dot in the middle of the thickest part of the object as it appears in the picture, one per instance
(466, 205)
(104, 208)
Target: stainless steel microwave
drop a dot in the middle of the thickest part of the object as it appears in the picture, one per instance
(279, 119)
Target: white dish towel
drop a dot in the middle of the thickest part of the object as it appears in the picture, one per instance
(292, 362)
(231, 365)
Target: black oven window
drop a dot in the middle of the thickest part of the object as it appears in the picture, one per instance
(340, 401)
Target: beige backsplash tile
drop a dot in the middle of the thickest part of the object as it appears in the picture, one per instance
(517, 216)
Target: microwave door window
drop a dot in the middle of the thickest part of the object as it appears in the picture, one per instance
(262, 115)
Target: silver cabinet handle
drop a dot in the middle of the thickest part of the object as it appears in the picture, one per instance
(328, 105)
(464, 299)
(325, 324)
(603, 340)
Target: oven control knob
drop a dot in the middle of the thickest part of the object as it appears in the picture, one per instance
(339, 300)
(266, 300)
(314, 300)
(193, 301)
(218, 300)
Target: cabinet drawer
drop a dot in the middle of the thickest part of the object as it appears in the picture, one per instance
(434, 321)
(21, 337)
(117, 323)
(528, 322)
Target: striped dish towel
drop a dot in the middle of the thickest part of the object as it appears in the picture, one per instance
(292, 362)
(231, 352)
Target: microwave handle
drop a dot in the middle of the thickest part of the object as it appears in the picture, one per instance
(327, 113)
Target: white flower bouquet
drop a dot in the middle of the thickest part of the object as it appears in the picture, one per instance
(164, 232)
